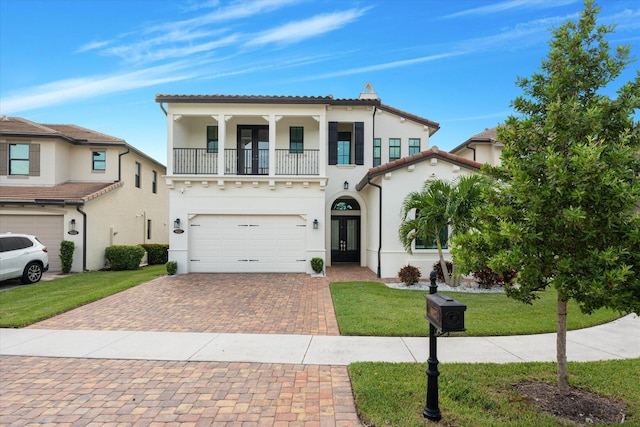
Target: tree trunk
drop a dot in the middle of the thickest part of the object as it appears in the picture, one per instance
(561, 346)
(443, 263)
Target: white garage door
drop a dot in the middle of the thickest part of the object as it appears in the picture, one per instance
(47, 228)
(256, 243)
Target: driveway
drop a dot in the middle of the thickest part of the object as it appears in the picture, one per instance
(63, 391)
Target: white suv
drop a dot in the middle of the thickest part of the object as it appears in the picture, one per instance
(23, 256)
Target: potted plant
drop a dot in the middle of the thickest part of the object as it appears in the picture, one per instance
(317, 264)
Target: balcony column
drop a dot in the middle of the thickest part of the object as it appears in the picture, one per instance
(324, 142)
(222, 138)
(273, 119)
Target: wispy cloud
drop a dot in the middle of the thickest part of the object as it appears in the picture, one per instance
(67, 90)
(510, 5)
(304, 29)
(175, 39)
(92, 46)
(383, 66)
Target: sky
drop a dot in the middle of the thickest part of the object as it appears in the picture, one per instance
(100, 63)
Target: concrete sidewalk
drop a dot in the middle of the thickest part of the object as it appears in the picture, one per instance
(616, 340)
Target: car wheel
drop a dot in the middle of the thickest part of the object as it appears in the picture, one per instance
(32, 273)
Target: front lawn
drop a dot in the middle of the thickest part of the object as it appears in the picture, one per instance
(373, 309)
(394, 394)
(28, 304)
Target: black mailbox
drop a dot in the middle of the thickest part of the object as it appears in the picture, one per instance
(445, 313)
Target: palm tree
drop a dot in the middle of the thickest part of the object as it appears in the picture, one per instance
(440, 205)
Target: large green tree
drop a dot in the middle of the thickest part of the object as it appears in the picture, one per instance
(566, 214)
(440, 205)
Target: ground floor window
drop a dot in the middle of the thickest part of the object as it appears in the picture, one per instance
(430, 243)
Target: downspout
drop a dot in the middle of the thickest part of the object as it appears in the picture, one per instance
(474, 151)
(84, 237)
(379, 223)
(120, 164)
(163, 110)
(378, 272)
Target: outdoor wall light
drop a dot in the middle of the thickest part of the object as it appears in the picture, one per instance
(176, 223)
(315, 224)
(346, 185)
(72, 227)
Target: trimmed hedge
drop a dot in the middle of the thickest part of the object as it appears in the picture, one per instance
(123, 257)
(157, 253)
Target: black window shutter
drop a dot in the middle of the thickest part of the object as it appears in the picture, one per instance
(359, 139)
(333, 143)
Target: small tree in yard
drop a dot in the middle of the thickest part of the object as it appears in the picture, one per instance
(567, 213)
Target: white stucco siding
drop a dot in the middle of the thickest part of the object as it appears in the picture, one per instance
(395, 187)
(389, 125)
(283, 210)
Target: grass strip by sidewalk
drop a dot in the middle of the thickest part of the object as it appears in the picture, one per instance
(481, 395)
(373, 309)
(28, 304)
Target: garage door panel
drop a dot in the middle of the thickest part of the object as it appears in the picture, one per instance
(258, 243)
(47, 228)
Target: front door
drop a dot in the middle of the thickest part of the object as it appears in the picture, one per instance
(253, 150)
(345, 239)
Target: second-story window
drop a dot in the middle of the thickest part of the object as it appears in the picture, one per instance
(377, 152)
(344, 148)
(414, 146)
(99, 160)
(296, 139)
(394, 149)
(154, 182)
(137, 174)
(212, 139)
(18, 159)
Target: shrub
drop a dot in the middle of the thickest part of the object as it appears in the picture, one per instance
(66, 255)
(157, 254)
(123, 257)
(317, 264)
(172, 267)
(409, 275)
(488, 278)
(438, 268)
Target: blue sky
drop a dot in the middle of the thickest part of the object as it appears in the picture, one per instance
(99, 64)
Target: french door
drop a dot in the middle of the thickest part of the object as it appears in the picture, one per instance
(253, 150)
(345, 239)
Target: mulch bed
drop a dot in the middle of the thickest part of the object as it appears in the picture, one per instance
(579, 406)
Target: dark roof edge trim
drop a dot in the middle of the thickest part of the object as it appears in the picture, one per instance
(418, 158)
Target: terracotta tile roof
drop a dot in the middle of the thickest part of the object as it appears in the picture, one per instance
(83, 134)
(433, 152)
(263, 99)
(74, 193)
(488, 136)
(434, 126)
(17, 126)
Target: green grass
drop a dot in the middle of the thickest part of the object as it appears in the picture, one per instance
(478, 395)
(25, 305)
(371, 308)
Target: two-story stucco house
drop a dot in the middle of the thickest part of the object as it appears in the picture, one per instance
(65, 182)
(265, 183)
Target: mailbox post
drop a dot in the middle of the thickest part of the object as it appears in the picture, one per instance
(447, 315)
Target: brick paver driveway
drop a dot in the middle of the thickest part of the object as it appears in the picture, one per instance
(58, 391)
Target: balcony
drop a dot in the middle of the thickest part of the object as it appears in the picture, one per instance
(197, 161)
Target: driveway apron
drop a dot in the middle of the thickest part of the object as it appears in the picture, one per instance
(62, 391)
